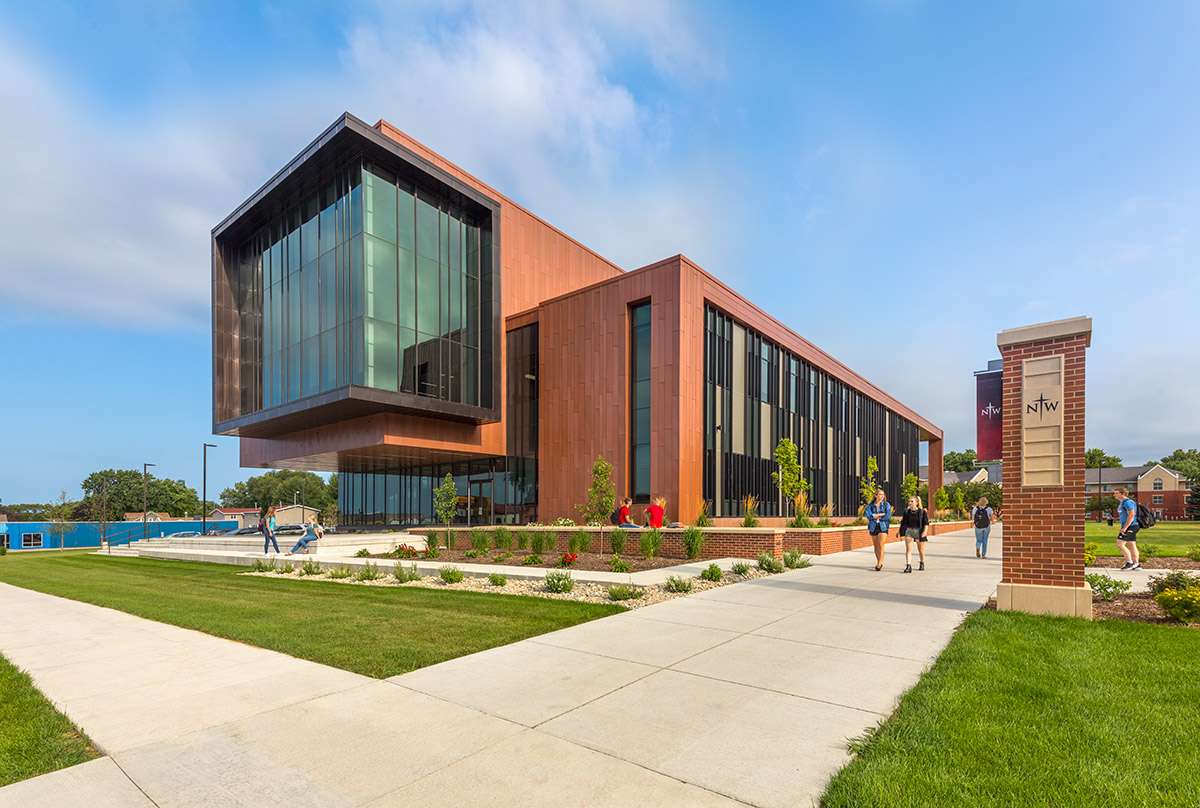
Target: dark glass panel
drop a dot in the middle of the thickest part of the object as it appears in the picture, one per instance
(293, 241)
(641, 394)
(308, 230)
(356, 352)
(356, 214)
(293, 370)
(329, 360)
(455, 244)
(472, 258)
(276, 379)
(356, 277)
(428, 291)
(328, 217)
(292, 293)
(471, 324)
(311, 375)
(407, 291)
(310, 301)
(329, 291)
(381, 360)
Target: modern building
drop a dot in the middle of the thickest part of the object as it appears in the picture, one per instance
(381, 313)
(1159, 488)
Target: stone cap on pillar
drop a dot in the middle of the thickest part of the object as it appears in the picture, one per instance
(1046, 331)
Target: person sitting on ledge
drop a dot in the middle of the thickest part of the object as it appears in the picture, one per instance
(624, 518)
(655, 512)
(310, 525)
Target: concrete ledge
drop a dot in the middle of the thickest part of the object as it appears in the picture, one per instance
(1068, 601)
(1046, 331)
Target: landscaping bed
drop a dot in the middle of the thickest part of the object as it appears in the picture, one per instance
(1135, 607)
(1150, 563)
(594, 562)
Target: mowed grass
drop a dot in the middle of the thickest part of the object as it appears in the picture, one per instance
(35, 738)
(1041, 711)
(375, 631)
(1172, 538)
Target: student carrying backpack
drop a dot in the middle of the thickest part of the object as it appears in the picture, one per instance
(1145, 517)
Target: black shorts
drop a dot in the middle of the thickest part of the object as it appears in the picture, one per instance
(877, 530)
(1130, 533)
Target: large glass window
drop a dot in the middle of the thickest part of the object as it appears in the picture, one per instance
(639, 405)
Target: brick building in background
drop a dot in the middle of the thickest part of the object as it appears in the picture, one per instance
(381, 313)
(1159, 488)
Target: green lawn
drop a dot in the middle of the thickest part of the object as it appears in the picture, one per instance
(374, 631)
(1173, 538)
(35, 738)
(1041, 711)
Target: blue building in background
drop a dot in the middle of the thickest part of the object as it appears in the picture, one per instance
(41, 535)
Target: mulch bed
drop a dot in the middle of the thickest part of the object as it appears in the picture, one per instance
(1136, 607)
(1152, 563)
(587, 561)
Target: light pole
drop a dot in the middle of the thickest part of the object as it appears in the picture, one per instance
(1099, 491)
(144, 467)
(204, 491)
(294, 497)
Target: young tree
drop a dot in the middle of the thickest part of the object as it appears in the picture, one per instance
(601, 494)
(1192, 503)
(941, 500)
(1098, 458)
(788, 477)
(909, 487)
(960, 504)
(61, 524)
(445, 503)
(868, 485)
(959, 461)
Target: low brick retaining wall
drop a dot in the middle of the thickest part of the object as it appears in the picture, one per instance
(719, 542)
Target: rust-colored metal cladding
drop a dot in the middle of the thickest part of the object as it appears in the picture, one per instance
(681, 383)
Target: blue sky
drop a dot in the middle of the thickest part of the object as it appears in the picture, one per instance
(982, 166)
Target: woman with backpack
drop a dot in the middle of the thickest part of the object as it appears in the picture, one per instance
(879, 516)
(914, 527)
(982, 516)
(268, 530)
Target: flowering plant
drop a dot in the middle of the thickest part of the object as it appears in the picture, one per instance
(567, 559)
(404, 551)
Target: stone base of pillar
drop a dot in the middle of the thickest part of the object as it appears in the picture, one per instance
(1069, 601)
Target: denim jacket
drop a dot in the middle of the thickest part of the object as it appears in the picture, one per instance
(879, 514)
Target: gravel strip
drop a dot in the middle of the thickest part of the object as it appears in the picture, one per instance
(583, 592)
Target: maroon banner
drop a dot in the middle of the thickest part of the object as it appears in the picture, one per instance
(989, 395)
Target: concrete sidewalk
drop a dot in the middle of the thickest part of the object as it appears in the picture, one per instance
(739, 695)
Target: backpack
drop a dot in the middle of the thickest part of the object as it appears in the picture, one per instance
(1145, 517)
(981, 518)
(262, 525)
(615, 516)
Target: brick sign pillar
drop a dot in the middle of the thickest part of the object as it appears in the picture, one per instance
(1043, 468)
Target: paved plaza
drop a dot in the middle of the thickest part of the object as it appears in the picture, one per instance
(740, 695)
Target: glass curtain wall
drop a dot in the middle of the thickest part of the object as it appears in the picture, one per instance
(365, 280)
(757, 393)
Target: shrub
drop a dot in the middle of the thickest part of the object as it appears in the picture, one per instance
(405, 575)
(531, 559)
(537, 542)
(618, 565)
(567, 559)
(263, 566)
(523, 539)
(795, 560)
(1089, 553)
(623, 592)
(1172, 580)
(704, 520)
(617, 539)
(573, 541)
(479, 541)
(767, 563)
(651, 540)
(340, 572)
(740, 568)
(475, 553)
(563, 521)
(496, 579)
(1182, 604)
(286, 569)
(432, 551)
(450, 574)
(363, 553)
(1193, 553)
(750, 503)
(368, 573)
(677, 583)
(712, 573)
(310, 567)
(404, 551)
(693, 542)
(559, 582)
(502, 539)
(1106, 587)
(3, 550)
(584, 539)
(1148, 550)
(500, 559)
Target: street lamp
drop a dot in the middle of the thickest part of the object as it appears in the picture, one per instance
(144, 467)
(204, 491)
(294, 497)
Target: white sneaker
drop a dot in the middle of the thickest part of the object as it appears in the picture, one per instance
(1136, 567)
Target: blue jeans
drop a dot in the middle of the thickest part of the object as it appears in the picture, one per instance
(302, 544)
(628, 525)
(268, 540)
(981, 536)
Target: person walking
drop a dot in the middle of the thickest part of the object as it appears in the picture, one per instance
(1127, 536)
(914, 527)
(982, 516)
(623, 516)
(879, 521)
(268, 530)
(312, 532)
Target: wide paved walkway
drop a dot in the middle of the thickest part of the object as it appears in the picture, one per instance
(739, 695)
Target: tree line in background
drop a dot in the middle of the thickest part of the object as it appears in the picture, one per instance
(110, 494)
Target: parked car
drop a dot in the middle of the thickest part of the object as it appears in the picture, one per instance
(247, 531)
(223, 532)
(184, 534)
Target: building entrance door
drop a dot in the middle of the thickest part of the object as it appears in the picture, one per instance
(479, 503)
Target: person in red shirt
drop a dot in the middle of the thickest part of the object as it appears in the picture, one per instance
(655, 513)
(623, 515)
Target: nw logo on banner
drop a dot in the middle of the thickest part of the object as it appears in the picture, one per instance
(1041, 406)
(990, 410)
